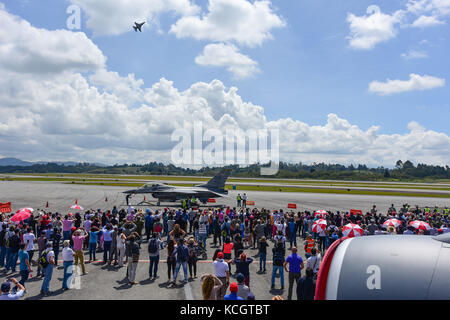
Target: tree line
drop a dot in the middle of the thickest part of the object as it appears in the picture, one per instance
(402, 170)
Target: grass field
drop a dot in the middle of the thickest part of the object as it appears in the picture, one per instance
(288, 189)
(120, 180)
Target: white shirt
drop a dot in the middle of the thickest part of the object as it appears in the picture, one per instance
(67, 254)
(12, 296)
(313, 262)
(220, 268)
(28, 239)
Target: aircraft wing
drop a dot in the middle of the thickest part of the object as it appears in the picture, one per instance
(178, 191)
(219, 194)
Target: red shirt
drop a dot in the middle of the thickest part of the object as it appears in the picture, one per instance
(227, 247)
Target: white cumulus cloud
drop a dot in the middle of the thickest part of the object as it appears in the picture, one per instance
(247, 23)
(368, 30)
(27, 49)
(225, 55)
(106, 17)
(415, 82)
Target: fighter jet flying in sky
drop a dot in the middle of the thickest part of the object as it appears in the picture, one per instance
(138, 26)
(214, 188)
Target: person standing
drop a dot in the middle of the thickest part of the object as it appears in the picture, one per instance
(3, 245)
(67, 255)
(278, 260)
(192, 262)
(67, 225)
(13, 244)
(171, 261)
(244, 200)
(306, 287)
(262, 251)
(113, 255)
(25, 267)
(313, 262)
(133, 262)
(29, 239)
(222, 272)
(47, 268)
(153, 253)
(78, 240)
(243, 267)
(56, 239)
(308, 245)
(182, 256)
(211, 285)
(121, 239)
(107, 242)
(93, 238)
(238, 199)
(233, 292)
(296, 265)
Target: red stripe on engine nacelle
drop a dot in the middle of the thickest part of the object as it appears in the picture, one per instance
(322, 277)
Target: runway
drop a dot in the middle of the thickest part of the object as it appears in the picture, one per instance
(108, 282)
(60, 196)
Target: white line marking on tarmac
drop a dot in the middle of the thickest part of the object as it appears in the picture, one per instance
(188, 292)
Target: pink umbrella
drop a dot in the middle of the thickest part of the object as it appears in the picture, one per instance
(319, 224)
(76, 207)
(321, 212)
(22, 214)
(421, 225)
(392, 222)
(352, 230)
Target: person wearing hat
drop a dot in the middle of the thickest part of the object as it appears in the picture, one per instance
(6, 290)
(222, 272)
(244, 290)
(48, 270)
(233, 292)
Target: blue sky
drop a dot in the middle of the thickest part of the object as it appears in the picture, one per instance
(308, 69)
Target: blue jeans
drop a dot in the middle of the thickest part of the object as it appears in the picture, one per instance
(66, 235)
(56, 251)
(153, 269)
(293, 239)
(11, 259)
(106, 250)
(48, 272)
(2, 256)
(92, 248)
(262, 261)
(177, 269)
(274, 273)
(202, 237)
(24, 276)
(68, 271)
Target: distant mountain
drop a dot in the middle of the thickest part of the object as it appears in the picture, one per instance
(14, 162)
(20, 163)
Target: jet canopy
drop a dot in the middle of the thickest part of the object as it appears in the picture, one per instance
(152, 185)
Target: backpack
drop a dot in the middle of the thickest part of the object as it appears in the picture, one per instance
(183, 253)
(278, 258)
(152, 246)
(158, 228)
(42, 261)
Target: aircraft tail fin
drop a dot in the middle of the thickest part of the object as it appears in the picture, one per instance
(218, 181)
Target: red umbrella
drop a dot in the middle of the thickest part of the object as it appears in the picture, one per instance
(420, 225)
(352, 230)
(76, 207)
(22, 214)
(321, 212)
(319, 224)
(392, 222)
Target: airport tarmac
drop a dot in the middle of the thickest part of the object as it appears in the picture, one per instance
(60, 196)
(108, 282)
